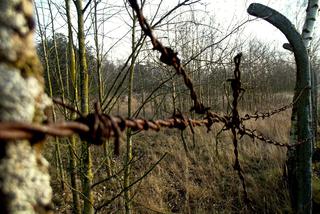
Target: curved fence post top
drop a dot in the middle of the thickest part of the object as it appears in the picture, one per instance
(299, 164)
(287, 28)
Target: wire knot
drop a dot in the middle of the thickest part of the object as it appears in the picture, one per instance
(101, 128)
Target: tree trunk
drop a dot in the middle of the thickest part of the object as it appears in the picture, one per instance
(307, 33)
(72, 161)
(86, 165)
(127, 198)
(57, 144)
(24, 179)
(98, 57)
(57, 60)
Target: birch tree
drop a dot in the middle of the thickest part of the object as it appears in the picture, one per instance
(307, 35)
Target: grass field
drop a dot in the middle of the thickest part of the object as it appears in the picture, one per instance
(199, 180)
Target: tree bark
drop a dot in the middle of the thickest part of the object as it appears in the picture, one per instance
(24, 179)
(57, 143)
(308, 27)
(86, 165)
(127, 170)
(307, 33)
(76, 209)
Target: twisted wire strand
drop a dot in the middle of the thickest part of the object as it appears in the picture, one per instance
(169, 57)
(96, 129)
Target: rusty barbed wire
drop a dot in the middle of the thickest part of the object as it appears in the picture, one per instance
(263, 115)
(253, 134)
(30, 131)
(97, 127)
(235, 122)
(169, 57)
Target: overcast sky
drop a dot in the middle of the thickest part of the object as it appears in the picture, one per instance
(227, 14)
(292, 9)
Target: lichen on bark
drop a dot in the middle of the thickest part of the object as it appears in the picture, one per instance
(24, 179)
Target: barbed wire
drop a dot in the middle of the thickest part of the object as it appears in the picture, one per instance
(235, 122)
(169, 57)
(96, 127)
(253, 134)
(263, 115)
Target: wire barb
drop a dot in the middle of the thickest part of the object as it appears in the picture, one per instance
(169, 57)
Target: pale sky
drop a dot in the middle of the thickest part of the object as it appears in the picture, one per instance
(224, 9)
(227, 15)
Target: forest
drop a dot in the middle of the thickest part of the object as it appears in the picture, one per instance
(186, 106)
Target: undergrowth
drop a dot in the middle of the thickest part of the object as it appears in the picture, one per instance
(200, 179)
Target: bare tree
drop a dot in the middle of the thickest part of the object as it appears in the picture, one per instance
(86, 165)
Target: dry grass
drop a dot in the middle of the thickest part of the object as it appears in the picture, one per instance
(203, 181)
